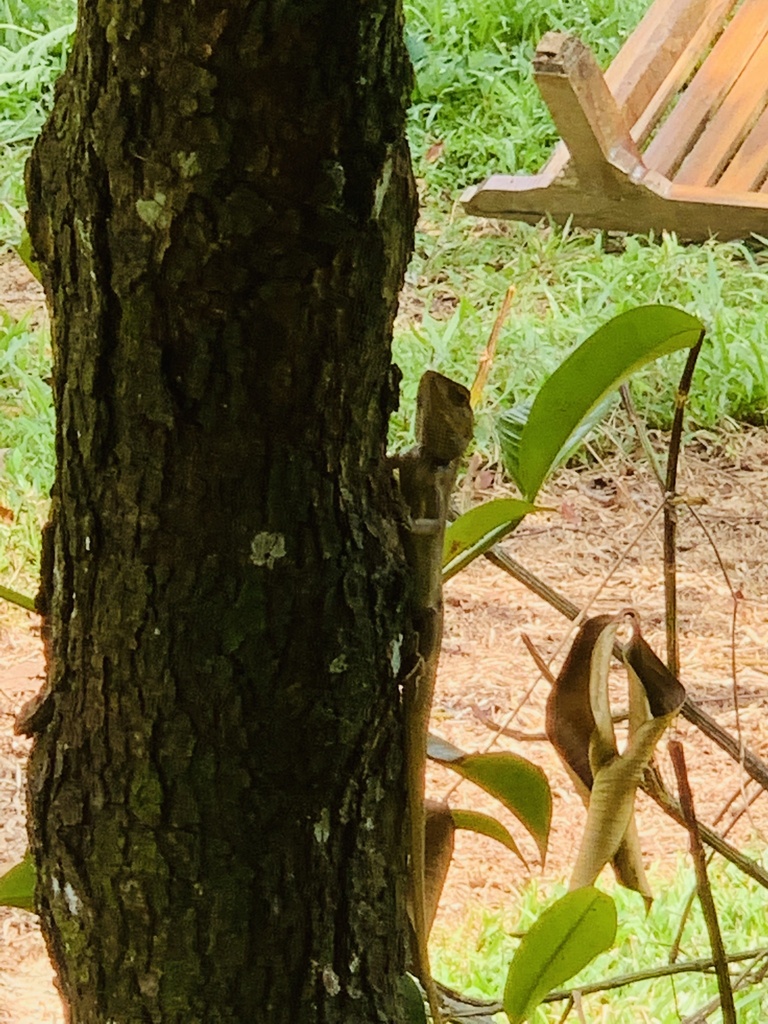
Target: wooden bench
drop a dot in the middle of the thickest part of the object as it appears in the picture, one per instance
(673, 136)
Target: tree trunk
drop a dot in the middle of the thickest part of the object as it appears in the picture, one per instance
(223, 206)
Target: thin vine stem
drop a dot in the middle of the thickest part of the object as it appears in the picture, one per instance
(706, 899)
(670, 509)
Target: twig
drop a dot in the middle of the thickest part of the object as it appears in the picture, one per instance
(517, 734)
(662, 971)
(498, 557)
(486, 359)
(505, 730)
(578, 1006)
(538, 661)
(14, 597)
(654, 788)
(676, 942)
(741, 754)
(566, 1010)
(747, 977)
(464, 1006)
(706, 899)
(734, 618)
(642, 434)
(670, 509)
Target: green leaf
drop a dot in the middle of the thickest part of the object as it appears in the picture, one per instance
(24, 252)
(17, 886)
(485, 825)
(473, 533)
(521, 786)
(560, 943)
(599, 365)
(512, 423)
(413, 1001)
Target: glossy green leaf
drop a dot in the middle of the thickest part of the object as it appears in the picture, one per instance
(518, 784)
(485, 825)
(24, 251)
(560, 943)
(17, 886)
(412, 1000)
(473, 533)
(599, 365)
(512, 423)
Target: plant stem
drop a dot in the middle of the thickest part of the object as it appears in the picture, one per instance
(670, 509)
(677, 755)
(642, 434)
(15, 597)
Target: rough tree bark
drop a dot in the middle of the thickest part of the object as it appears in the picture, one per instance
(223, 206)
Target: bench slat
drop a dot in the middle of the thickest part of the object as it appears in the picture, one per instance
(730, 125)
(709, 88)
(702, 64)
(660, 54)
(700, 42)
(584, 111)
(749, 167)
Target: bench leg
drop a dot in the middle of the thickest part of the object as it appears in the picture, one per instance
(585, 113)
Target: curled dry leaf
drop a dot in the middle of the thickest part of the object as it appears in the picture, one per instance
(580, 727)
(439, 829)
(570, 721)
(664, 692)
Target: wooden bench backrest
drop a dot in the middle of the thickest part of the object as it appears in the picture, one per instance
(659, 56)
(688, 55)
(721, 105)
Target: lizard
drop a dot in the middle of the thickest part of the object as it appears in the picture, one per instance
(427, 473)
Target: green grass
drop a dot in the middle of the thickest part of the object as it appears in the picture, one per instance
(474, 958)
(568, 283)
(475, 91)
(34, 40)
(26, 447)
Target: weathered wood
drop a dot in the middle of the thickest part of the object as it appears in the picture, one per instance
(692, 75)
(654, 204)
(660, 54)
(585, 112)
(712, 83)
(730, 125)
(749, 168)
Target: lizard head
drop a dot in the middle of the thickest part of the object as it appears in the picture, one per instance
(444, 419)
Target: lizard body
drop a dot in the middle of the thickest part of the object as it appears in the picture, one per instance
(427, 475)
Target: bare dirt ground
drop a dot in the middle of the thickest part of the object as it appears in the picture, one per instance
(596, 547)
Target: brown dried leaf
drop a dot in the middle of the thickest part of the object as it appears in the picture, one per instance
(580, 727)
(438, 851)
(570, 721)
(664, 692)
